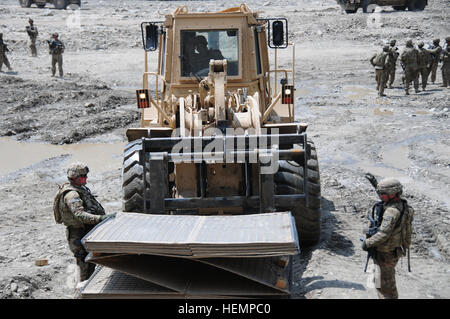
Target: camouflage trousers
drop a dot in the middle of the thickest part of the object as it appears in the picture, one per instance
(381, 78)
(57, 59)
(74, 236)
(446, 76)
(4, 60)
(423, 72)
(411, 76)
(386, 263)
(433, 71)
(391, 76)
(33, 47)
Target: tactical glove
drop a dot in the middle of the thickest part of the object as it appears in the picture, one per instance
(364, 246)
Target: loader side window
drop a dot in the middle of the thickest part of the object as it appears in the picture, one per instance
(163, 57)
(200, 46)
(257, 53)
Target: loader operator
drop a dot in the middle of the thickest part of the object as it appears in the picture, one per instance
(203, 55)
(76, 208)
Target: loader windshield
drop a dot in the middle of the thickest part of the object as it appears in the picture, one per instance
(199, 47)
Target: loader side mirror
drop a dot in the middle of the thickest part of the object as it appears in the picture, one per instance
(277, 33)
(151, 37)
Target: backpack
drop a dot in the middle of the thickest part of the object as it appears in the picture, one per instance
(379, 59)
(406, 219)
(56, 203)
(405, 222)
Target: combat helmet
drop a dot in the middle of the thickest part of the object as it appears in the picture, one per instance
(55, 35)
(409, 43)
(393, 42)
(420, 44)
(436, 41)
(386, 48)
(77, 170)
(390, 186)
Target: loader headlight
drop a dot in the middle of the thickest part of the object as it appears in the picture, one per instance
(287, 94)
(143, 100)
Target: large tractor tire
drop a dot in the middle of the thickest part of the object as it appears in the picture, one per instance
(416, 5)
(61, 4)
(289, 180)
(25, 3)
(132, 179)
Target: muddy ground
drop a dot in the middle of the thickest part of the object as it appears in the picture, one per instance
(46, 123)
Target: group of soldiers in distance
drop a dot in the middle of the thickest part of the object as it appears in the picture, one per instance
(417, 63)
(56, 49)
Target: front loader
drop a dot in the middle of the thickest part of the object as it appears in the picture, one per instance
(218, 133)
(220, 183)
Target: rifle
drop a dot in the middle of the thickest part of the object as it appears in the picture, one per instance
(374, 223)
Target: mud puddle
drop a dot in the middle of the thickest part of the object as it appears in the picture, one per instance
(357, 92)
(99, 157)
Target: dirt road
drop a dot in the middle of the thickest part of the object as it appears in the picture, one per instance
(45, 123)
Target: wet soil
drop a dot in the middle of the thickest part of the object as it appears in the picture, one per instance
(46, 123)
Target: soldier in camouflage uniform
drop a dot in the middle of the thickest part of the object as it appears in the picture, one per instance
(393, 236)
(32, 33)
(3, 57)
(424, 64)
(56, 50)
(445, 58)
(381, 62)
(79, 211)
(393, 52)
(435, 54)
(409, 59)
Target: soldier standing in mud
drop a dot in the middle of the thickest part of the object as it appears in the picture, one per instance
(392, 238)
(381, 62)
(76, 208)
(56, 50)
(393, 52)
(409, 59)
(435, 51)
(424, 64)
(445, 58)
(32, 33)
(3, 57)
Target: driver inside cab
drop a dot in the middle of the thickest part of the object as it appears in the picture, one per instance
(203, 54)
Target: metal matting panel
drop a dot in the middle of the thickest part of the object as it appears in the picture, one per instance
(108, 283)
(270, 234)
(193, 278)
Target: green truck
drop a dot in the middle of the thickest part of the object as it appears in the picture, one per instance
(351, 6)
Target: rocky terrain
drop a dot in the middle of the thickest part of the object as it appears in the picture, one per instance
(46, 123)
